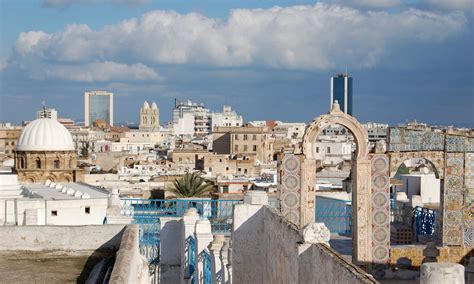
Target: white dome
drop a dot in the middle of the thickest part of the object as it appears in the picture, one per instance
(154, 106)
(45, 134)
(146, 105)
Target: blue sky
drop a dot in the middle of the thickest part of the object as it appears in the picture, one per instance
(268, 59)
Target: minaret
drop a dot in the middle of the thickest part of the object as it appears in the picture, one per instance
(149, 116)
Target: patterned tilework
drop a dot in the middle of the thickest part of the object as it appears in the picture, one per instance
(459, 144)
(290, 187)
(453, 200)
(401, 139)
(380, 208)
(468, 199)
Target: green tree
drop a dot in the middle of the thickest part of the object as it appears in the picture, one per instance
(402, 170)
(192, 185)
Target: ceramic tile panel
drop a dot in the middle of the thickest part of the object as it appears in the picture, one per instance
(380, 208)
(453, 200)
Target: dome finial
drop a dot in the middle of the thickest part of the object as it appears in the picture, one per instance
(335, 107)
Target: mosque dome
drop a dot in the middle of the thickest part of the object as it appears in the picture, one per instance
(154, 106)
(45, 134)
(146, 105)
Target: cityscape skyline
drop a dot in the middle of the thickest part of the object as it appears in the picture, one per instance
(422, 71)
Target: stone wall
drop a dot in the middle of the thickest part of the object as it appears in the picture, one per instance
(415, 254)
(130, 266)
(268, 249)
(37, 238)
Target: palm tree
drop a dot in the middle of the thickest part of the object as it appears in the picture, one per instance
(192, 185)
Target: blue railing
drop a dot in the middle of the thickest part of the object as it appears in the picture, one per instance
(191, 253)
(149, 237)
(335, 214)
(207, 273)
(424, 222)
(219, 212)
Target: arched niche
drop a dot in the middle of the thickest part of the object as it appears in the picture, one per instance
(335, 116)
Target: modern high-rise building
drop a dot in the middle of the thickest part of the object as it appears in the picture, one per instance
(98, 105)
(341, 91)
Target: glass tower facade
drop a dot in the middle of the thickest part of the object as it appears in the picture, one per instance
(98, 105)
(99, 108)
(341, 91)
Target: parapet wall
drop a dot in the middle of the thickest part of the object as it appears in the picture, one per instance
(130, 266)
(268, 249)
(38, 238)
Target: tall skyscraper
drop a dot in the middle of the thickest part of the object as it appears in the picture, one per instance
(98, 105)
(341, 91)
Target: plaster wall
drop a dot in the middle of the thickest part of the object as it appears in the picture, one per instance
(37, 238)
(66, 212)
(268, 249)
(170, 249)
(320, 264)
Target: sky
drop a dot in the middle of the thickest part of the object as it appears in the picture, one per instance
(268, 59)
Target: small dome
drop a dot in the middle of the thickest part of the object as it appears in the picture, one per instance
(146, 105)
(154, 106)
(45, 134)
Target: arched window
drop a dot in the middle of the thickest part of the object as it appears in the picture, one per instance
(22, 163)
(38, 163)
(56, 164)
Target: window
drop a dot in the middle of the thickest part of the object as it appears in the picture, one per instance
(54, 213)
(246, 137)
(236, 148)
(317, 149)
(226, 168)
(180, 159)
(38, 163)
(210, 169)
(220, 160)
(245, 171)
(255, 148)
(254, 137)
(13, 143)
(236, 136)
(7, 143)
(328, 150)
(239, 169)
(22, 163)
(245, 148)
(87, 210)
(56, 164)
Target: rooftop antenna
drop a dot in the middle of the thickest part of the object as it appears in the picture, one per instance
(43, 114)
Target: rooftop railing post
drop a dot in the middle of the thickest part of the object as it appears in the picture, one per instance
(225, 262)
(215, 249)
(189, 220)
(203, 235)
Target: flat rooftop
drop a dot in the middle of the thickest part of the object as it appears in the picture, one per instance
(48, 266)
(78, 191)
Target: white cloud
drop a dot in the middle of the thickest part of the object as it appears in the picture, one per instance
(299, 37)
(100, 72)
(67, 3)
(370, 4)
(460, 5)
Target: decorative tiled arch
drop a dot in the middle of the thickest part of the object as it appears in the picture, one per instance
(437, 158)
(368, 194)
